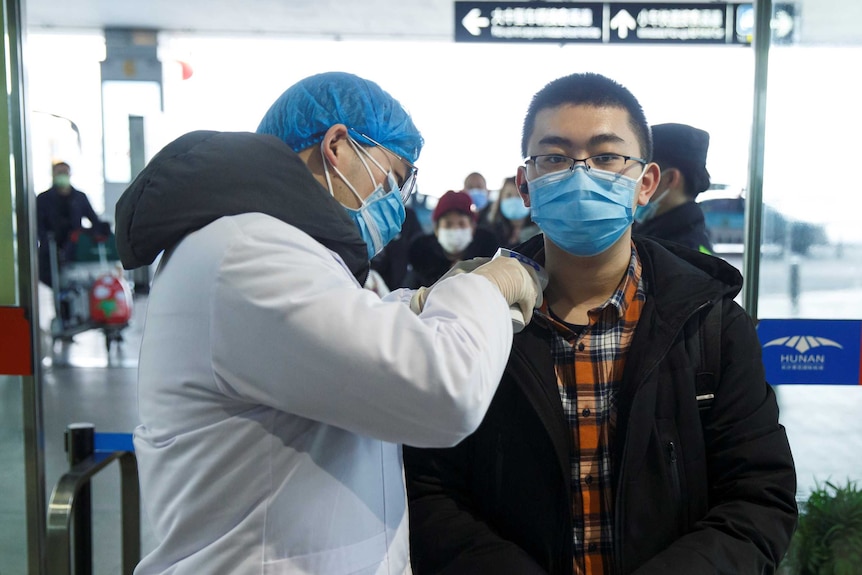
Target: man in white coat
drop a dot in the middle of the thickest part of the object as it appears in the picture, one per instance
(274, 392)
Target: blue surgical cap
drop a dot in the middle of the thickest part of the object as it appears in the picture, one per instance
(303, 113)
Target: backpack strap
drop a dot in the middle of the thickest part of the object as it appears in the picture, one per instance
(706, 356)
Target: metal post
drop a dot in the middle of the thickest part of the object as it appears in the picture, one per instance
(138, 159)
(754, 199)
(18, 278)
(62, 507)
(794, 285)
(80, 446)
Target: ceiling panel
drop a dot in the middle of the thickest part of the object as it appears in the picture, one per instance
(330, 18)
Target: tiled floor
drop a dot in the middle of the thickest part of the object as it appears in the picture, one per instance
(82, 382)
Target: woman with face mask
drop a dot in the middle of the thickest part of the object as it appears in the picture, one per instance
(456, 237)
(509, 218)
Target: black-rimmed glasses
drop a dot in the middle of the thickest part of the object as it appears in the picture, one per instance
(551, 163)
(408, 185)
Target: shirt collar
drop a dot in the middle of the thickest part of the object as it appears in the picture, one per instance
(620, 299)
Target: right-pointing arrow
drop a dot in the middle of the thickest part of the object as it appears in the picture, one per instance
(782, 23)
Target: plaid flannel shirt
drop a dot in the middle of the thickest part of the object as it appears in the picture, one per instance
(589, 362)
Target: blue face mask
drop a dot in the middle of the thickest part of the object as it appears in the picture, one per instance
(381, 214)
(647, 212)
(479, 197)
(514, 209)
(380, 218)
(583, 212)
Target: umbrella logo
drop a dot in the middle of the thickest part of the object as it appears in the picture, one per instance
(803, 343)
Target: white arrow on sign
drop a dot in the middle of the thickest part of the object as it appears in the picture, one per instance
(622, 23)
(474, 21)
(782, 23)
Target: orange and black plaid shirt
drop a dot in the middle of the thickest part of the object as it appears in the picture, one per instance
(589, 362)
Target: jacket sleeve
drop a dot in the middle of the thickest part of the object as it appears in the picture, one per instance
(447, 536)
(752, 480)
(88, 211)
(43, 222)
(293, 330)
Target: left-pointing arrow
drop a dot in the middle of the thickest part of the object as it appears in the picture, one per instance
(474, 21)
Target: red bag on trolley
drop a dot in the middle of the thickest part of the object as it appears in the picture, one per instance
(110, 300)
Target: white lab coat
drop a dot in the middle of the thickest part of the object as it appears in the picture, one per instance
(274, 393)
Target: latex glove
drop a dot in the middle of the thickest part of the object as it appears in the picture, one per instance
(417, 302)
(518, 283)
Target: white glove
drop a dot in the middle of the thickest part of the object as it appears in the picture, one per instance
(518, 283)
(417, 302)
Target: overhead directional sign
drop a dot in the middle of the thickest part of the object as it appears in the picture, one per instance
(689, 23)
(615, 22)
(783, 23)
(531, 21)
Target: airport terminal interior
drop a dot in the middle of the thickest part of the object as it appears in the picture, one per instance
(783, 139)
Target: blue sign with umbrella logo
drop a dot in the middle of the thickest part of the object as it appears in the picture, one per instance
(810, 351)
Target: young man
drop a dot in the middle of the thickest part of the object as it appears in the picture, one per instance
(672, 213)
(597, 456)
(273, 389)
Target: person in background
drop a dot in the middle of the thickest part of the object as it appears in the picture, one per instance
(60, 214)
(273, 390)
(456, 237)
(476, 186)
(509, 218)
(609, 446)
(391, 264)
(672, 214)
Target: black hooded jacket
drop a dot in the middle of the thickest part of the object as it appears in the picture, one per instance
(684, 225)
(500, 501)
(205, 175)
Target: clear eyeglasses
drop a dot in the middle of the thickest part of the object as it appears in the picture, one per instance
(408, 184)
(551, 163)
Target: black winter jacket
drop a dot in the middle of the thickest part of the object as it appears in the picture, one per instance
(721, 500)
(684, 225)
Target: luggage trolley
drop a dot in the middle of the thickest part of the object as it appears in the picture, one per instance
(90, 291)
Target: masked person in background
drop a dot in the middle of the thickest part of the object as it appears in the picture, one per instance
(509, 218)
(273, 389)
(60, 212)
(477, 187)
(456, 237)
(672, 213)
(612, 445)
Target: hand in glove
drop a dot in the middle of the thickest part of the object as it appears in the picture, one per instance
(417, 302)
(518, 283)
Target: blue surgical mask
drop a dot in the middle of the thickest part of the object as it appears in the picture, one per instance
(514, 209)
(647, 212)
(479, 197)
(381, 214)
(582, 211)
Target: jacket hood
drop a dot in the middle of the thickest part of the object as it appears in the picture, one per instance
(205, 175)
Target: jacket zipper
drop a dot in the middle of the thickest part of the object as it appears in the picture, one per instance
(674, 471)
(499, 469)
(674, 480)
